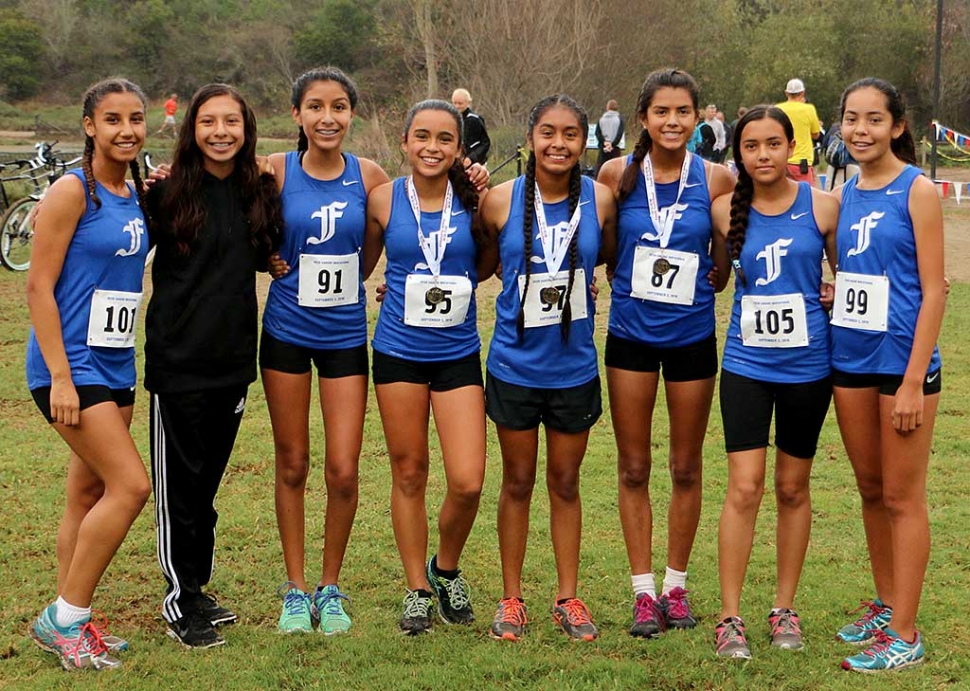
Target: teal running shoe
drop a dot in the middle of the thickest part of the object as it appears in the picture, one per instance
(889, 653)
(295, 617)
(328, 609)
(862, 630)
(79, 646)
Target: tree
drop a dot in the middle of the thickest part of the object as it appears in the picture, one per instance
(21, 56)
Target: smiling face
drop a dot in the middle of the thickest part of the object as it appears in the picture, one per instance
(325, 114)
(670, 118)
(220, 133)
(867, 125)
(117, 127)
(557, 139)
(431, 142)
(765, 149)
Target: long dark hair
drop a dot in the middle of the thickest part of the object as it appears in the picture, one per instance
(575, 188)
(92, 97)
(456, 173)
(744, 188)
(319, 74)
(903, 146)
(658, 79)
(182, 201)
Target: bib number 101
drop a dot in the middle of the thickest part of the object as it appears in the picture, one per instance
(125, 322)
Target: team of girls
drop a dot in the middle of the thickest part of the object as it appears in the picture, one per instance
(776, 360)
(84, 290)
(542, 363)
(662, 317)
(427, 354)
(215, 221)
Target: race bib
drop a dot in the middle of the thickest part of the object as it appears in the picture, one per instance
(774, 321)
(547, 297)
(112, 320)
(436, 303)
(664, 275)
(328, 281)
(861, 301)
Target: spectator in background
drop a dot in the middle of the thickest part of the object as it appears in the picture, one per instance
(728, 135)
(474, 135)
(705, 147)
(807, 129)
(171, 105)
(609, 134)
(720, 140)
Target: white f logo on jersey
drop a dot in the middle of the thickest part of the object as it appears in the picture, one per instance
(772, 255)
(437, 251)
(864, 227)
(559, 234)
(135, 228)
(668, 215)
(328, 216)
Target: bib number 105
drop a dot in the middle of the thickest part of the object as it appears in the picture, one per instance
(774, 322)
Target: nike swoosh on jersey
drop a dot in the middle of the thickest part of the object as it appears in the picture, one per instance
(795, 217)
(693, 184)
(584, 203)
(457, 213)
(889, 192)
(348, 183)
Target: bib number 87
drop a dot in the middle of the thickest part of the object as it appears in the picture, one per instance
(774, 322)
(657, 280)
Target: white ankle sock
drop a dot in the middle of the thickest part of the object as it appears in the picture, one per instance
(643, 583)
(674, 579)
(66, 614)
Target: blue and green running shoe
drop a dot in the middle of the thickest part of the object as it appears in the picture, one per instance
(78, 646)
(328, 609)
(889, 653)
(295, 617)
(862, 630)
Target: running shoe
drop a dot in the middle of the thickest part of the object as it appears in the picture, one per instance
(510, 620)
(862, 630)
(328, 610)
(730, 641)
(454, 596)
(295, 617)
(78, 646)
(786, 630)
(417, 613)
(193, 630)
(113, 643)
(888, 653)
(649, 620)
(573, 617)
(214, 612)
(676, 609)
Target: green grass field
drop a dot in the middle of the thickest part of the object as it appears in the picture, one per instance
(249, 565)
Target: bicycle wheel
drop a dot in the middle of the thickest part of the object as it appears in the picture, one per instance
(17, 235)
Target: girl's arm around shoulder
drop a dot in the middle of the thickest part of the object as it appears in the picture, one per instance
(378, 213)
(721, 180)
(720, 223)
(495, 209)
(606, 210)
(486, 260)
(825, 206)
(611, 172)
(278, 162)
(372, 174)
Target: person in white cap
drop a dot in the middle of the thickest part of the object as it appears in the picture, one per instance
(807, 130)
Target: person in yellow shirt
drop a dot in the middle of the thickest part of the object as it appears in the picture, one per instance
(807, 129)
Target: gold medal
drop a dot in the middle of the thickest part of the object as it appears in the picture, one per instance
(434, 295)
(661, 266)
(549, 295)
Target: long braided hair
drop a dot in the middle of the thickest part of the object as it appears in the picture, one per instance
(463, 187)
(183, 202)
(575, 188)
(744, 189)
(667, 77)
(319, 74)
(903, 146)
(92, 97)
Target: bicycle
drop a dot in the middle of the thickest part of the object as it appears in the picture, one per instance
(16, 224)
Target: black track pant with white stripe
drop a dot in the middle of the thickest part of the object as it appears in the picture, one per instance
(192, 437)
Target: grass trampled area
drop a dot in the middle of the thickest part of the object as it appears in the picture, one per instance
(249, 564)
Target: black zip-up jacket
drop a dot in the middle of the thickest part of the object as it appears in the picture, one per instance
(201, 325)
